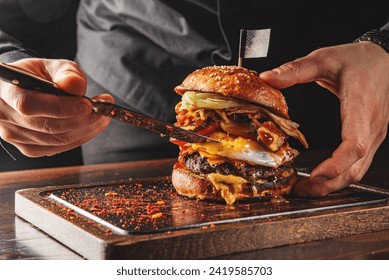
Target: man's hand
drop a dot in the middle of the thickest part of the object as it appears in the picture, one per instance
(40, 124)
(358, 74)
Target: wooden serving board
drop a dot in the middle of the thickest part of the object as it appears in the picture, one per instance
(146, 219)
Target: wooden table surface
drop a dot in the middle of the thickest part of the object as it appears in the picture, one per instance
(21, 240)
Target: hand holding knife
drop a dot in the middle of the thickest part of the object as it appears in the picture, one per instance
(27, 80)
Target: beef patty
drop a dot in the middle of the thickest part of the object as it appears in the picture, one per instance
(257, 176)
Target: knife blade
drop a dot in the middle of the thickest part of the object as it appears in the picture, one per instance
(27, 80)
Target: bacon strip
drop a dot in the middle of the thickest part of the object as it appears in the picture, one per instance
(289, 127)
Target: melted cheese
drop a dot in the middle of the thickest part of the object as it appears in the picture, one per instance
(212, 159)
(228, 185)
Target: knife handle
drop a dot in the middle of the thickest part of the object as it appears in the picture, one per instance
(24, 79)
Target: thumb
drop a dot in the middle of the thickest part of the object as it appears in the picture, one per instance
(68, 76)
(302, 70)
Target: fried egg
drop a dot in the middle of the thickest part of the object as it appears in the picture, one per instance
(247, 150)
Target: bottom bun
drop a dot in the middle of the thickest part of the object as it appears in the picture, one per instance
(228, 188)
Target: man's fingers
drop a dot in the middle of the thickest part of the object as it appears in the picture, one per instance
(360, 134)
(49, 131)
(20, 135)
(33, 103)
(42, 124)
(67, 75)
(318, 186)
(104, 97)
(348, 164)
(347, 154)
(303, 70)
(363, 99)
(321, 186)
(45, 136)
(38, 150)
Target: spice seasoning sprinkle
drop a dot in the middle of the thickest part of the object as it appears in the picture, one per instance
(144, 207)
(157, 215)
(111, 194)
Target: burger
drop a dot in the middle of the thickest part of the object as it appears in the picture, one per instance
(248, 156)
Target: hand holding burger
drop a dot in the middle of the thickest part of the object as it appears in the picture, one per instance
(358, 75)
